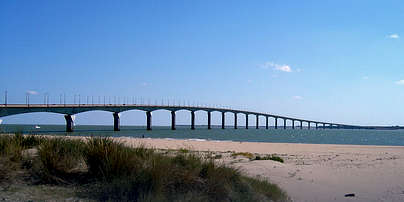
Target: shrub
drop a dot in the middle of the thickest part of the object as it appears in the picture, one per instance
(11, 149)
(276, 158)
(264, 188)
(183, 150)
(12, 146)
(245, 154)
(59, 157)
(269, 157)
(119, 173)
(6, 169)
(108, 159)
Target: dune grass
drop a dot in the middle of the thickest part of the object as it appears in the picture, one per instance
(272, 157)
(11, 154)
(106, 170)
(245, 154)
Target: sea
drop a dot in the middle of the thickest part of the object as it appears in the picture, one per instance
(201, 133)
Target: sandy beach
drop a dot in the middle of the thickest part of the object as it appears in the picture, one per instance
(312, 172)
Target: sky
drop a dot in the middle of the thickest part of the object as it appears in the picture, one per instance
(334, 61)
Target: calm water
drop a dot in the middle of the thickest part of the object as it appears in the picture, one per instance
(320, 136)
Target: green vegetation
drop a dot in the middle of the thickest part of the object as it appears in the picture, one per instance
(272, 157)
(106, 170)
(183, 150)
(245, 154)
(251, 156)
(59, 160)
(11, 154)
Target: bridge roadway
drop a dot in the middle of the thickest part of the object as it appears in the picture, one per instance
(71, 109)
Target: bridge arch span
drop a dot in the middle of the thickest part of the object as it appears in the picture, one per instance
(201, 117)
(104, 117)
(183, 117)
(216, 110)
(33, 118)
(159, 117)
(201, 110)
(133, 117)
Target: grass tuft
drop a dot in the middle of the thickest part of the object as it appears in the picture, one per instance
(245, 154)
(58, 158)
(269, 157)
(11, 153)
(115, 172)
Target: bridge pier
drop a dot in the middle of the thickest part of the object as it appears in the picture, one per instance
(246, 121)
(293, 124)
(69, 123)
(192, 120)
(235, 120)
(301, 125)
(172, 120)
(223, 120)
(284, 124)
(148, 120)
(209, 120)
(308, 124)
(116, 121)
(256, 121)
(323, 126)
(316, 126)
(266, 123)
(276, 123)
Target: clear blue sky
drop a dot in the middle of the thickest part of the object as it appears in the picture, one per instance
(339, 61)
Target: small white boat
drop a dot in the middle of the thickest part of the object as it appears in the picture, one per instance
(37, 127)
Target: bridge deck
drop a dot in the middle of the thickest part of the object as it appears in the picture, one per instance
(72, 109)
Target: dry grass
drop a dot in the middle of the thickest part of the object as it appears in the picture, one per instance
(109, 171)
(245, 154)
(272, 157)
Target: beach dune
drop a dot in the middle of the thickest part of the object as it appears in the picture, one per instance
(313, 172)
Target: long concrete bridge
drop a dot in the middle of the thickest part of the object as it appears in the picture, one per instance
(68, 110)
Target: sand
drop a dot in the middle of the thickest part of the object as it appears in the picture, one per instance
(312, 172)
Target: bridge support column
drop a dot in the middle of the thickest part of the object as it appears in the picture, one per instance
(69, 123)
(246, 121)
(235, 120)
(192, 120)
(256, 122)
(223, 119)
(316, 126)
(308, 124)
(284, 124)
(209, 119)
(266, 123)
(116, 121)
(276, 123)
(293, 124)
(148, 120)
(172, 120)
(301, 125)
(323, 126)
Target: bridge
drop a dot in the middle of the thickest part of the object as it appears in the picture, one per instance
(68, 110)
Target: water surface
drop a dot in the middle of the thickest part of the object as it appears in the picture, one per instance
(320, 136)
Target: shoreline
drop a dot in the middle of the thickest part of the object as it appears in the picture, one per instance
(211, 140)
